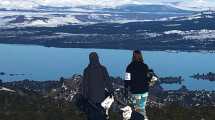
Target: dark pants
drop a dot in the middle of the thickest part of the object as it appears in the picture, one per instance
(95, 112)
(137, 116)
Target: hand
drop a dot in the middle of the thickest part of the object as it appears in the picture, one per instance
(152, 83)
(108, 92)
(154, 79)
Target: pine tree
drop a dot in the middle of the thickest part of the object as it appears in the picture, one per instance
(1, 82)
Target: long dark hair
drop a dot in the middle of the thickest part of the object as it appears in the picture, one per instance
(94, 59)
(137, 56)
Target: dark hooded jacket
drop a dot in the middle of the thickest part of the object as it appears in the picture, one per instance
(95, 80)
(139, 82)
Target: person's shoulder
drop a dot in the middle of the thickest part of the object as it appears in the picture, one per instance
(144, 65)
(130, 64)
(86, 69)
(129, 67)
(103, 67)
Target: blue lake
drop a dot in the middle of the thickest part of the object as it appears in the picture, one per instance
(43, 63)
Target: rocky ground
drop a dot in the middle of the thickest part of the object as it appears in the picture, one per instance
(58, 100)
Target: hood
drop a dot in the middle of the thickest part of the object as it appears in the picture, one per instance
(94, 59)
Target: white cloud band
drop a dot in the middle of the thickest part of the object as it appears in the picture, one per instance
(33, 4)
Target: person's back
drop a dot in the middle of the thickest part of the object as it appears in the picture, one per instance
(95, 80)
(140, 80)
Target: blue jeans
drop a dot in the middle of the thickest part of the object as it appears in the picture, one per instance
(139, 101)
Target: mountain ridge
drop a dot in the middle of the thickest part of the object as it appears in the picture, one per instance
(193, 5)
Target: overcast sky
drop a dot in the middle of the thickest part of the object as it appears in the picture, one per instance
(29, 4)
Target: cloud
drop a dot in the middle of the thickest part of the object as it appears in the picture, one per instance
(33, 4)
(17, 4)
(29, 4)
(102, 3)
(196, 5)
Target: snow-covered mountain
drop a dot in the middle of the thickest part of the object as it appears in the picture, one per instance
(36, 20)
(57, 16)
(52, 25)
(11, 19)
(53, 19)
(191, 32)
(53, 13)
(158, 8)
(196, 5)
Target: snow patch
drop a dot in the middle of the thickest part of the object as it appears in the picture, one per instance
(53, 22)
(194, 34)
(201, 35)
(174, 32)
(171, 25)
(149, 35)
(6, 89)
(37, 20)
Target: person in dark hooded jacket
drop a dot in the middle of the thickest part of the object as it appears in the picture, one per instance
(95, 80)
(137, 80)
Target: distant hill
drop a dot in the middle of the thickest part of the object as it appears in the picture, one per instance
(148, 8)
(193, 32)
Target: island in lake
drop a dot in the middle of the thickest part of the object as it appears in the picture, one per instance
(12, 74)
(171, 80)
(2, 73)
(209, 76)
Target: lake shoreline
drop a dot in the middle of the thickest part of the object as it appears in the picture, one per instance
(84, 46)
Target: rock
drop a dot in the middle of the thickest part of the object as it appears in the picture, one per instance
(2, 73)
